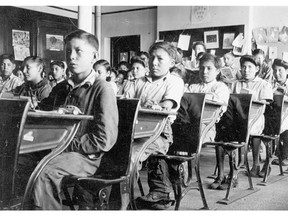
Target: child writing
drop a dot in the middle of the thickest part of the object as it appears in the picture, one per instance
(163, 91)
(280, 86)
(93, 97)
(261, 90)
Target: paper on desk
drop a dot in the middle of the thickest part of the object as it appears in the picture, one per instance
(183, 42)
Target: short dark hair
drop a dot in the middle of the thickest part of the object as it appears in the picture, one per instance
(168, 47)
(280, 63)
(126, 64)
(81, 34)
(209, 57)
(7, 56)
(58, 63)
(137, 59)
(199, 43)
(248, 58)
(144, 53)
(36, 59)
(258, 51)
(104, 63)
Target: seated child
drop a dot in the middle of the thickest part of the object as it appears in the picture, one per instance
(138, 70)
(35, 86)
(265, 71)
(103, 68)
(216, 91)
(280, 86)
(9, 81)
(93, 97)
(229, 73)
(261, 90)
(57, 70)
(162, 90)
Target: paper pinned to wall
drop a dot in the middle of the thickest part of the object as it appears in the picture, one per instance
(285, 56)
(183, 42)
(263, 47)
(21, 52)
(272, 52)
(238, 41)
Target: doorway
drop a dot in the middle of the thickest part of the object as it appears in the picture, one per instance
(123, 48)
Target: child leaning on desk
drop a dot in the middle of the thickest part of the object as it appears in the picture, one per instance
(158, 90)
(261, 90)
(93, 138)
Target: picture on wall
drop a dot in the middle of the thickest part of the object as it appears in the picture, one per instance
(211, 39)
(20, 38)
(228, 39)
(54, 42)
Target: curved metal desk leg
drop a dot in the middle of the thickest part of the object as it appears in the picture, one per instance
(35, 174)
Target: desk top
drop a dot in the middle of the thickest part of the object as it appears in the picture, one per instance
(157, 112)
(55, 114)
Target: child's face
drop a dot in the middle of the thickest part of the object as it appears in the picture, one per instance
(32, 71)
(101, 70)
(208, 72)
(249, 70)
(130, 76)
(228, 59)
(259, 58)
(120, 78)
(280, 74)
(123, 68)
(80, 56)
(58, 72)
(159, 63)
(20, 74)
(7, 67)
(138, 70)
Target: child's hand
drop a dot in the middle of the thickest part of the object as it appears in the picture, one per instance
(150, 104)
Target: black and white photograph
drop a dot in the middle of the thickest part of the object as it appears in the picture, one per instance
(144, 106)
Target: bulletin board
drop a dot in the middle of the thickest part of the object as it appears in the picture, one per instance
(197, 34)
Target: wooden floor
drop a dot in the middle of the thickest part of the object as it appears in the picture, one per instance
(274, 196)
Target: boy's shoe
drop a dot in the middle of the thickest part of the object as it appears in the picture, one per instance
(154, 200)
(284, 162)
(262, 172)
(224, 185)
(154, 196)
(216, 183)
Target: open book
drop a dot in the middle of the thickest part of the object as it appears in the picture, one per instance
(227, 72)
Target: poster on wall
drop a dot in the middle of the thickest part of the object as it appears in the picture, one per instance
(199, 14)
(228, 39)
(272, 34)
(21, 52)
(54, 42)
(183, 42)
(260, 35)
(123, 56)
(20, 38)
(211, 39)
(283, 35)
